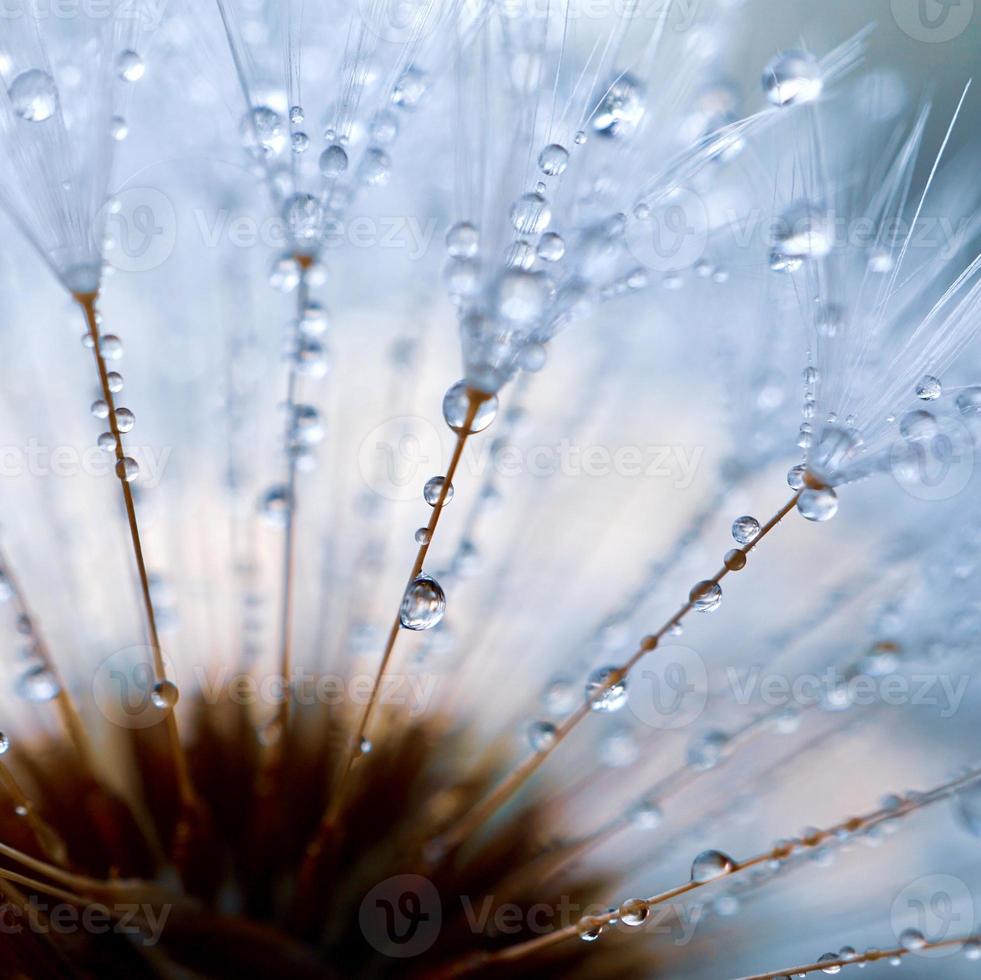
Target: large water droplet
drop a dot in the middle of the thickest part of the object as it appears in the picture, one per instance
(634, 912)
(745, 529)
(462, 240)
(707, 750)
(530, 214)
(432, 489)
(34, 95)
(423, 604)
(553, 159)
(817, 505)
(304, 218)
(456, 406)
(709, 865)
(705, 596)
(4, 743)
(333, 161)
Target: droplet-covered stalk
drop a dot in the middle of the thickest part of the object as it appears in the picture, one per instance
(409, 618)
(707, 868)
(606, 690)
(165, 692)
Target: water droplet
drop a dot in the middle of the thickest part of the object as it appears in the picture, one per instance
(423, 604)
(745, 529)
(912, 939)
(110, 347)
(37, 684)
(706, 751)
(735, 560)
(431, 491)
(125, 419)
(634, 912)
(313, 322)
(792, 77)
(559, 697)
(553, 159)
(620, 109)
(107, 442)
(284, 276)
(384, 127)
(825, 958)
(928, 388)
(130, 66)
(817, 505)
(375, 167)
(646, 815)
(795, 476)
(972, 949)
(705, 596)
(541, 735)
(4, 743)
(590, 927)
(422, 535)
(365, 746)
(333, 161)
(118, 129)
(803, 232)
(410, 88)
(164, 694)
(127, 469)
(310, 358)
(462, 240)
(710, 865)
(606, 690)
(274, 506)
(304, 218)
(551, 247)
(532, 357)
(100, 409)
(520, 255)
(456, 406)
(34, 95)
(969, 401)
(299, 142)
(780, 262)
(308, 430)
(262, 131)
(530, 214)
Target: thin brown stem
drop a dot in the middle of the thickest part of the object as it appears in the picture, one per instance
(67, 709)
(185, 787)
(860, 959)
(289, 534)
(49, 840)
(486, 808)
(327, 823)
(778, 852)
